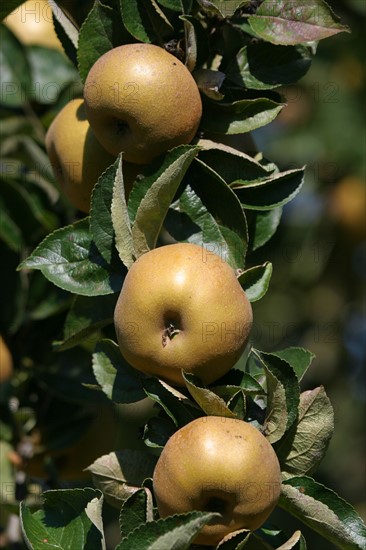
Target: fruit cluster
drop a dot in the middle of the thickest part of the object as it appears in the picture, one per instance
(139, 100)
(181, 308)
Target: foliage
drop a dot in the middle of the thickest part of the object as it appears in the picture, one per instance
(227, 200)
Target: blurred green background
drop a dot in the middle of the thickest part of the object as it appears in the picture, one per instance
(317, 294)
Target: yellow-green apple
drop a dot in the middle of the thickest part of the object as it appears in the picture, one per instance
(217, 464)
(31, 23)
(182, 307)
(76, 155)
(6, 361)
(141, 100)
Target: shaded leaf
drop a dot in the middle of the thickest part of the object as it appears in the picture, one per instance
(101, 226)
(291, 22)
(15, 70)
(154, 205)
(101, 31)
(121, 220)
(86, 315)
(119, 381)
(240, 116)
(120, 474)
(263, 66)
(283, 395)
(323, 511)
(304, 446)
(9, 7)
(144, 20)
(176, 532)
(158, 430)
(209, 82)
(300, 359)
(255, 281)
(262, 226)
(178, 407)
(69, 30)
(69, 258)
(271, 192)
(135, 511)
(70, 518)
(209, 401)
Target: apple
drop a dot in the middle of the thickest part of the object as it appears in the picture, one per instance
(6, 362)
(182, 307)
(32, 23)
(76, 155)
(141, 100)
(217, 464)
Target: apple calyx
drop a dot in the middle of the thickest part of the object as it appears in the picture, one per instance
(169, 332)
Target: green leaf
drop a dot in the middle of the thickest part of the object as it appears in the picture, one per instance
(86, 315)
(264, 66)
(154, 205)
(135, 511)
(101, 31)
(24, 209)
(70, 518)
(290, 22)
(300, 359)
(119, 381)
(175, 5)
(10, 233)
(240, 116)
(232, 165)
(209, 401)
(100, 214)
(303, 447)
(178, 407)
(172, 532)
(120, 474)
(69, 258)
(271, 192)
(9, 7)
(51, 73)
(121, 220)
(158, 430)
(144, 20)
(255, 281)
(262, 226)
(283, 395)
(235, 541)
(243, 380)
(222, 8)
(15, 70)
(68, 376)
(213, 207)
(197, 42)
(190, 25)
(323, 511)
(69, 31)
(209, 82)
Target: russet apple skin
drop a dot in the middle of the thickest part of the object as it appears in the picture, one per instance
(6, 362)
(141, 100)
(76, 155)
(181, 307)
(220, 465)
